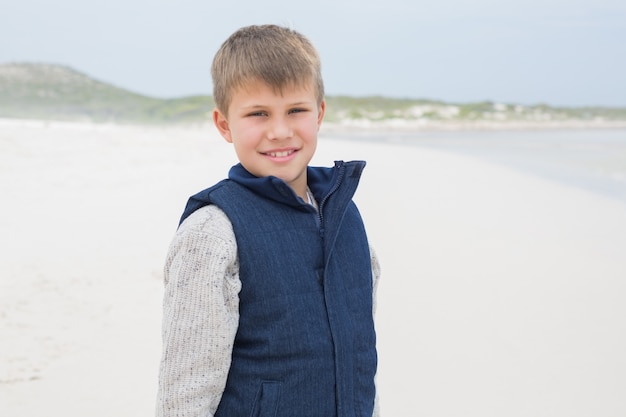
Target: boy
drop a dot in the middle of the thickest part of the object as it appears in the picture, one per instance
(269, 281)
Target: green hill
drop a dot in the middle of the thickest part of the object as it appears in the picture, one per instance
(55, 92)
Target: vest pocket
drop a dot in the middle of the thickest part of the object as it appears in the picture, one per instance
(266, 401)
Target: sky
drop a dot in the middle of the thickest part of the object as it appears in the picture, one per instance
(557, 52)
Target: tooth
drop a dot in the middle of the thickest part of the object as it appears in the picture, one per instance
(280, 154)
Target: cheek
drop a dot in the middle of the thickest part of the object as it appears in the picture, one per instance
(246, 139)
(246, 132)
(310, 129)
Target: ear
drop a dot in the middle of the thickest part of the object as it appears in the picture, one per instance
(220, 121)
(320, 114)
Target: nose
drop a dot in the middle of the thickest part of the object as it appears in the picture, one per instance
(278, 129)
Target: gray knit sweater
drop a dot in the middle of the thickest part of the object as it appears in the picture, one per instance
(201, 314)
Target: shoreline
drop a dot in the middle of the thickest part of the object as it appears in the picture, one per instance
(351, 126)
(403, 125)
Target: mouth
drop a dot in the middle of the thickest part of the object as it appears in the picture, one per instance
(280, 154)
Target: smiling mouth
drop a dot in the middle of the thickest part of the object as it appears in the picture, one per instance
(280, 154)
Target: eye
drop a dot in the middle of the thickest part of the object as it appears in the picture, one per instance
(297, 110)
(257, 114)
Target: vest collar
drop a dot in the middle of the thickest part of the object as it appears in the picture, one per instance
(321, 180)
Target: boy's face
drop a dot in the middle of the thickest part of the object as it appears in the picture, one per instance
(273, 134)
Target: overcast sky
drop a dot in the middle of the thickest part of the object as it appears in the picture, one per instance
(560, 52)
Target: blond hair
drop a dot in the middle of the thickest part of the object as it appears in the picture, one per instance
(277, 56)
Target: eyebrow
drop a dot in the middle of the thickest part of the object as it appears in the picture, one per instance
(297, 103)
(302, 103)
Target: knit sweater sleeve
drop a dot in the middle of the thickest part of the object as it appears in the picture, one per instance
(375, 281)
(375, 277)
(200, 315)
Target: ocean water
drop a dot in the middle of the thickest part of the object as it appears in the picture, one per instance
(593, 159)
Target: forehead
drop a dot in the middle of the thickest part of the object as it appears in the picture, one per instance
(258, 92)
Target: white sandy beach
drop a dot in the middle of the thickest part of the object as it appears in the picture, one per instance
(502, 293)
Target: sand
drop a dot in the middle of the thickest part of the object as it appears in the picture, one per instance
(502, 293)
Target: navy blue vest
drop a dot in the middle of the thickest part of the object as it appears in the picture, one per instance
(305, 345)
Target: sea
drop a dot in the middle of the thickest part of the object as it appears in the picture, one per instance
(592, 159)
